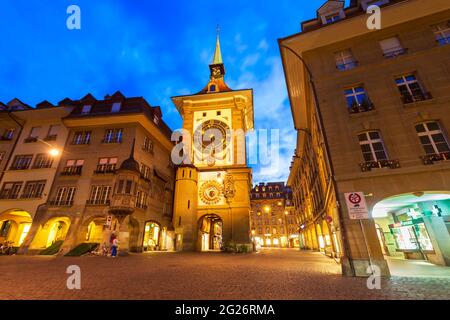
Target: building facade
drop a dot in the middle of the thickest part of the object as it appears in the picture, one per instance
(272, 218)
(112, 175)
(213, 181)
(371, 111)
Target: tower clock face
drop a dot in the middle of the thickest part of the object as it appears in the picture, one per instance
(211, 135)
(211, 192)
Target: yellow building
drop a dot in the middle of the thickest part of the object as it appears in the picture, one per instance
(212, 190)
(112, 174)
(371, 110)
(273, 221)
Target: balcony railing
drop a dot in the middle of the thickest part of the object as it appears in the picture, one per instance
(347, 66)
(52, 137)
(72, 171)
(395, 53)
(113, 140)
(31, 196)
(432, 158)
(369, 165)
(31, 139)
(406, 99)
(20, 167)
(98, 202)
(9, 196)
(60, 203)
(105, 169)
(5, 138)
(364, 107)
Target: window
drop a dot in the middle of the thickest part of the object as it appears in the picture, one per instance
(22, 162)
(345, 60)
(432, 138)
(73, 167)
(52, 133)
(43, 161)
(8, 134)
(33, 189)
(357, 100)
(148, 145)
(4, 230)
(64, 196)
(82, 137)
(367, 3)
(392, 47)
(34, 135)
(212, 88)
(141, 200)
(410, 89)
(332, 18)
(86, 109)
(113, 136)
(11, 190)
(116, 107)
(146, 172)
(99, 195)
(106, 165)
(442, 33)
(372, 146)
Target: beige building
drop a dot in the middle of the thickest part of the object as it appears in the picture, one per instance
(371, 110)
(26, 182)
(273, 221)
(213, 181)
(112, 176)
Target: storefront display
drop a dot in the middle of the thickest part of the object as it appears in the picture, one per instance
(411, 236)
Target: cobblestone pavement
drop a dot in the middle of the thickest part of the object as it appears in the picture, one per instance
(277, 274)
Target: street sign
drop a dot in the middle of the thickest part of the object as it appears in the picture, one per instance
(356, 204)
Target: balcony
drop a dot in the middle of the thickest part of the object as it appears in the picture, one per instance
(72, 171)
(422, 96)
(98, 202)
(52, 137)
(347, 66)
(31, 196)
(9, 196)
(395, 53)
(30, 140)
(369, 165)
(123, 204)
(60, 203)
(105, 169)
(20, 167)
(111, 141)
(363, 107)
(430, 159)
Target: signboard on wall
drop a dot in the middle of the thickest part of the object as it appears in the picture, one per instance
(357, 207)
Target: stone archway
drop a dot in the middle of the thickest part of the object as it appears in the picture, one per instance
(210, 233)
(53, 230)
(14, 226)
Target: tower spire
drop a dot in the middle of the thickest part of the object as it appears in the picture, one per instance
(217, 53)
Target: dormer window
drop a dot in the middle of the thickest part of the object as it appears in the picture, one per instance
(332, 18)
(367, 3)
(116, 107)
(86, 109)
(212, 88)
(331, 11)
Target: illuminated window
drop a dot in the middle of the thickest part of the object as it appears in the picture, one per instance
(357, 99)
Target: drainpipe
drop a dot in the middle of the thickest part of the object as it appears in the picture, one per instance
(319, 116)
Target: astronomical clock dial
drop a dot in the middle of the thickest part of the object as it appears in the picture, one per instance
(217, 140)
(211, 192)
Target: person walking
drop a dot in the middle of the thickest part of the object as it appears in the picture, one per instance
(114, 246)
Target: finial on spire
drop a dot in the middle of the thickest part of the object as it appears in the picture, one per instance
(217, 53)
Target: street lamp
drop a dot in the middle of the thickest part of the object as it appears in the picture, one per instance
(54, 152)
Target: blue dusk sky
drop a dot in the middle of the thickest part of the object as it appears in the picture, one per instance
(155, 49)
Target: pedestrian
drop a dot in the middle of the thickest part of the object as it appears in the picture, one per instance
(114, 246)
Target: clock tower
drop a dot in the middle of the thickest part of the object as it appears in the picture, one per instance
(212, 190)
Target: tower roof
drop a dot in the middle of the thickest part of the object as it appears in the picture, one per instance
(130, 164)
(217, 59)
